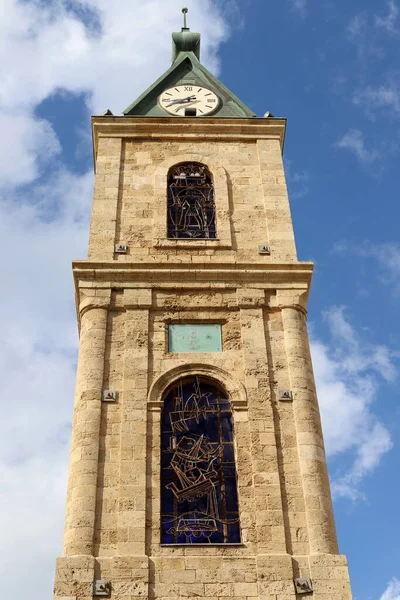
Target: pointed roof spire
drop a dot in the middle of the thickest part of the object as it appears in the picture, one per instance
(185, 12)
(186, 69)
(185, 40)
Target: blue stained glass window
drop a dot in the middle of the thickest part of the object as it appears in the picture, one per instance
(199, 501)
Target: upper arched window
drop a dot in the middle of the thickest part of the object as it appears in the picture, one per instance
(199, 502)
(191, 207)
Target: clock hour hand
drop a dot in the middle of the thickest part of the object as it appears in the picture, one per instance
(182, 100)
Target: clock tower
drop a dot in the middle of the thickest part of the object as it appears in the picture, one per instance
(197, 464)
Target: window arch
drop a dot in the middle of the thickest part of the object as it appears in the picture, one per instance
(199, 500)
(191, 207)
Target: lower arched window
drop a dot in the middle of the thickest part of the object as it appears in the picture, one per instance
(199, 502)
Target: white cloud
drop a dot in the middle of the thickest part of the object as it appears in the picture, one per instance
(357, 26)
(354, 141)
(47, 48)
(369, 32)
(39, 234)
(392, 591)
(365, 33)
(348, 373)
(388, 23)
(299, 6)
(25, 143)
(388, 255)
(110, 52)
(374, 99)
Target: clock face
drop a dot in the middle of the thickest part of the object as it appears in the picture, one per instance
(189, 101)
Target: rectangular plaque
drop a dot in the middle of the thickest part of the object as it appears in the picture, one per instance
(195, 337)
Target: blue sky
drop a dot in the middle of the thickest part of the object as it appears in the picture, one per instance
(332, 69)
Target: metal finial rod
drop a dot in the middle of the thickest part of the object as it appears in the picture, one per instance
(185, 12)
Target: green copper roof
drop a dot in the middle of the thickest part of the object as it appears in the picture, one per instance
(187, 69)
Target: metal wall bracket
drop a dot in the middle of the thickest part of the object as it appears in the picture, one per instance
(303, 585)
(109, 396)
(101, 587)
(120, 248)
(264, 249)
(285, 395)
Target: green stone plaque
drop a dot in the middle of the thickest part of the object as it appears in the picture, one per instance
(195, 337)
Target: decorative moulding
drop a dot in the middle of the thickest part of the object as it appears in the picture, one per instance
(188, 129)
(234, 388)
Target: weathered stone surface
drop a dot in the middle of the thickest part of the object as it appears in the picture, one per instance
(125, 305)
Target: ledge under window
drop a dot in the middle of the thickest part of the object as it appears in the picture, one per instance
(233, 544)
(190, 243)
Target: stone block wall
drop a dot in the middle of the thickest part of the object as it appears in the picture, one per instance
(251, 200)
(125, 305)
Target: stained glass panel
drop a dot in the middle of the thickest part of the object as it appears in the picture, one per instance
(199, 502)
(191, 209)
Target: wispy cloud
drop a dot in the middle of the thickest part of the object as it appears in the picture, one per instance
(348, 373)
(369, 31)
(388, 255)
(392, 591)
(362, 34)
(375, 99)
(357, 26)
(299, 6)
(389, 21)
(354, 141)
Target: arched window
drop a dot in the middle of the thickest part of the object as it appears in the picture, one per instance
(191, 208)
(199, 501)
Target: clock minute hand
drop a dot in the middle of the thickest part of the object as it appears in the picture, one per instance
(182, 100)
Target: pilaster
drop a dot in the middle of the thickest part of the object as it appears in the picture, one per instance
(133, 454)
(82, 488)
(276, 201)
(107, 190)
(317, 495)
(269, 524)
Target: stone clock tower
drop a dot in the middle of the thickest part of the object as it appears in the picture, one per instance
(197, 463)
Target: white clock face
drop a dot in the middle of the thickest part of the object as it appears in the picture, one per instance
(188, 101)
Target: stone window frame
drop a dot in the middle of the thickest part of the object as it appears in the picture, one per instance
(238, 397)
(233, 386)
(221, 199)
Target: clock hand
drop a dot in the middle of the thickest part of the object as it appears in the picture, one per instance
(182, 100)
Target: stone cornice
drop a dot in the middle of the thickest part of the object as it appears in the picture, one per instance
(271, 274)
(289, 283)
(164, 128)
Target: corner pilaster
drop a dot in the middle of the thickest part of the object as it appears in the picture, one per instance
(314, 474)
(82, 486)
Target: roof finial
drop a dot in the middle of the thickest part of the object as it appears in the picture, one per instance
(185, 12)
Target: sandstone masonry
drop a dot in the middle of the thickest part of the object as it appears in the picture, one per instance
(125, 303)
